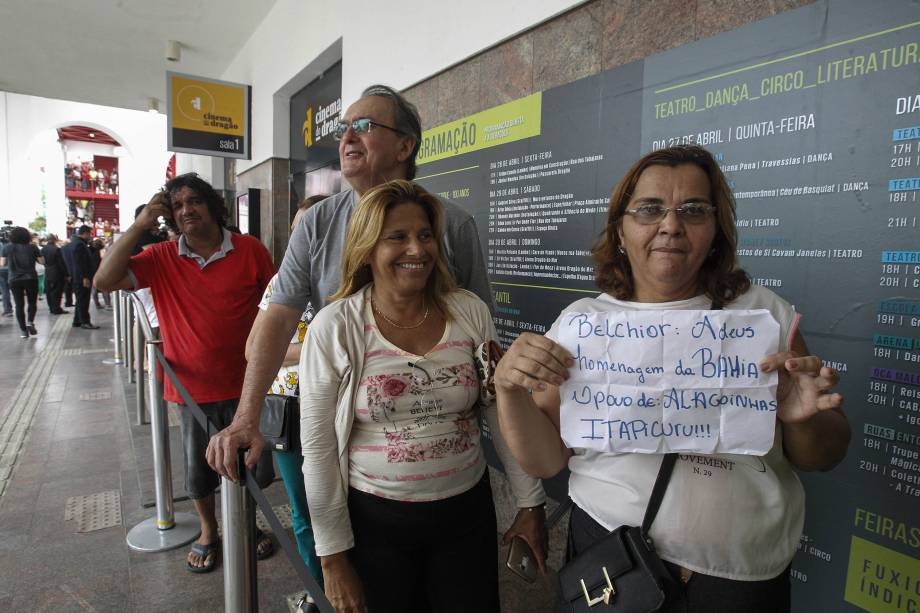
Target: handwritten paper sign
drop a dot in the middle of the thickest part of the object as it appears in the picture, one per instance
(661, 381)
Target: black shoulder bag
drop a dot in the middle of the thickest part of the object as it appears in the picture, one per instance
(621, 572)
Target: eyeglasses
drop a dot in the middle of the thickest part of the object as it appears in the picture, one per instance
(691, 213)
(425, 391)
(359, 126)
(426, 402)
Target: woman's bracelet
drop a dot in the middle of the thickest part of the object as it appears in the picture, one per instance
(540, 507)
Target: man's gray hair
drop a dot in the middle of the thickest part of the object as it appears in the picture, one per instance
(406, 118)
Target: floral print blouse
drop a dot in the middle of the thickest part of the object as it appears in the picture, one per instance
(416, 434)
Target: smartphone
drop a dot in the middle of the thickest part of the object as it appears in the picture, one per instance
(521, 560)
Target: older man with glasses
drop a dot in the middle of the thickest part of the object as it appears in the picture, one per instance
(379, 137)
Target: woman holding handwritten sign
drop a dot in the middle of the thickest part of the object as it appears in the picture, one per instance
(729, 523)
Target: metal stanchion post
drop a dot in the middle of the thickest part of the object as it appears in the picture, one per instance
(128, 309)
(159, 422)
(239, 544)
(116, 329)
(123, 326)
(142, 330)
(167, 530)
(139, 369)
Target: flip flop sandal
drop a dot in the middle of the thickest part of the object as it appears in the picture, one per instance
(306, 605)
(268, 545)
(204, 551)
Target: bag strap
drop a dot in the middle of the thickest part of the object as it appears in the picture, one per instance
(661, 484)
(664, 472)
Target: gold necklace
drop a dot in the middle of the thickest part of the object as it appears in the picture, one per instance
(396, 325)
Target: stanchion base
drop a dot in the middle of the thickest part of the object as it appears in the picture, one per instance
(111, 361)
(146, 537)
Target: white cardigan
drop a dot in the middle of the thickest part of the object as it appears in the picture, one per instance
(330, 367)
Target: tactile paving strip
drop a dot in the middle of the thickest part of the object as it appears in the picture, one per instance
(15, 421)
(95, 395)
(95, 511)
(81, 351)
(283, 511)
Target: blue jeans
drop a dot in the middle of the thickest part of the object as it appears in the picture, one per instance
(290, 463)
(5, 291)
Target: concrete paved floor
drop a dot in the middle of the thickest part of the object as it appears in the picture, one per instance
(80, 447)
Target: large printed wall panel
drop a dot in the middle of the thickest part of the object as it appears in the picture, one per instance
(814, 115)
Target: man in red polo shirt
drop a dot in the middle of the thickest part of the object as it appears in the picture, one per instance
(206, 288)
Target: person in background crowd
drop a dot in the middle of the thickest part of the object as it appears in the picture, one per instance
(68, 289)
(39, 268)
(151, 237)
(5, 283)
(398, 487)
(96, 253)
(290, 462)
(206, 288)
(79, 268)
(728, 537)
(55, 275)
(20, 256)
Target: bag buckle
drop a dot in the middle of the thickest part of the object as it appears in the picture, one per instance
(605, 595)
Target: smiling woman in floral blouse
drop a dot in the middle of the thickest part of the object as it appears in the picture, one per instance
(399, 492)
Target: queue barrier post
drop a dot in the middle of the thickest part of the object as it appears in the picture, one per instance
(141, 330)
(122, 327)
(128, 336)
(239, 545)
(116, 331)
(118, 307)
(141, 395)
(167, 530)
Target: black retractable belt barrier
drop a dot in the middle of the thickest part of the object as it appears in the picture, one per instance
(290, 549)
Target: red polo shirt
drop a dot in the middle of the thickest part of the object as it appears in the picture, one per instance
(205, 313)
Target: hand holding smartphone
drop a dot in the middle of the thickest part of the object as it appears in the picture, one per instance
(521, 560)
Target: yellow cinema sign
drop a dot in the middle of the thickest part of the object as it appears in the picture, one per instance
(207, 116)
